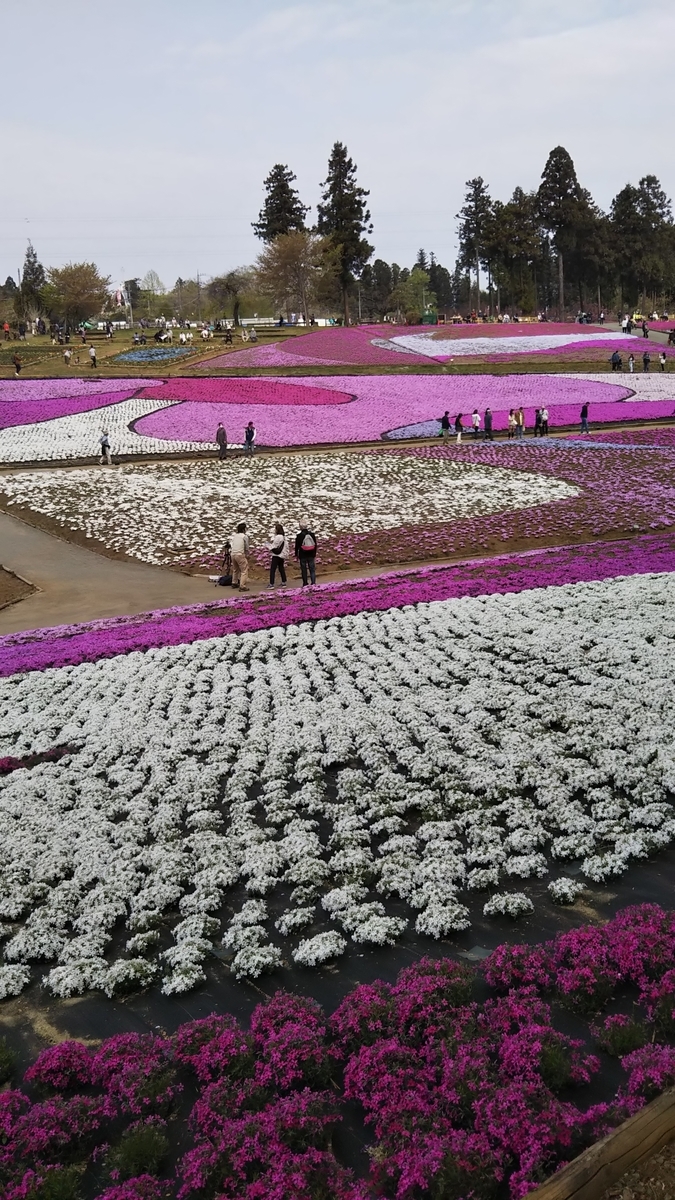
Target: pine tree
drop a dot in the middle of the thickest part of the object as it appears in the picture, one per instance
(282, 211)
(33, 280)
(561, 207)
(344, 217)
(473, 219)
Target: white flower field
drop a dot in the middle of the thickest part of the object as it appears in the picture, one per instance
(277, 796)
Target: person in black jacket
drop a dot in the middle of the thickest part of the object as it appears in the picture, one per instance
(305, 552)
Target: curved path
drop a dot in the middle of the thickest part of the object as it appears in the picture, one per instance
(78, 585)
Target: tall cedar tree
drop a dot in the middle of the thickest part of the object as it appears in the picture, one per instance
(344, 217)
(473, 219)
(33, 279)
(282, 211)
(562, 209)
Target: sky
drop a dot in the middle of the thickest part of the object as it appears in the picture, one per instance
(138, 135)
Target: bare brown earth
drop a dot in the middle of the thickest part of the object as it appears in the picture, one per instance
(651, 1180)
(13, 588)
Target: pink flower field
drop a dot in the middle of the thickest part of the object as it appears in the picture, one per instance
(393, 345)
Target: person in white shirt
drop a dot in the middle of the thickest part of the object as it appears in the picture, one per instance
(544, 422)
(279, 552)
(240, 545)
(475, 423)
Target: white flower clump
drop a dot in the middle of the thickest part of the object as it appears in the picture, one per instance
(312, 952)
(564, 890)
(165, 512)
(333, 770)
(508, 904)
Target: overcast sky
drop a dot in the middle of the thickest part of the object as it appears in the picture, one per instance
(137, 135)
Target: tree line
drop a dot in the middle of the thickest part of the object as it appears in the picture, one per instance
(550, 250)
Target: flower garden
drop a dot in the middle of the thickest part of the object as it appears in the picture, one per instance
(371, 346)
(357, 891)
(54, 420)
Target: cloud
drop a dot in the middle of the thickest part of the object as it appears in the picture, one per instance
(144, 141)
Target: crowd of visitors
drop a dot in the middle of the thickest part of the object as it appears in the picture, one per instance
(238, 549)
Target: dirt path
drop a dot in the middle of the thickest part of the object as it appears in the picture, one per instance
(77, 585)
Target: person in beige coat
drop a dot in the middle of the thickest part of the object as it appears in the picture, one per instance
(240, 545)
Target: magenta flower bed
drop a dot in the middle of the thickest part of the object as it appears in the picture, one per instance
(458, 1095)
(71, 644)
(28, 412)
(379, 404)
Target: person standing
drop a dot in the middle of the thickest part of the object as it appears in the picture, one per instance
(67, 355)
(92, 356)
(646, 359)
(520, 423)
(249, 438)
(106, 456)
(459, 428)
(662, 360)
(305, 552)
(5, 330)
(445, 425)
(624, 324)
(489, 435)
(240, 546)
(17, 365)
(221, 440)
(511, 425)
(475, 424)
(544, 422)
(631, 363)
(278, 548)
(537, 422)
(645, 329)
(584, 419)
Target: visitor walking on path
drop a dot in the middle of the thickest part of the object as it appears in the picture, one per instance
(104, 442)
(240, 546)
(645, 329)
(520, 423)
(489, 435)
(221, 440)
(459, 428)
(475, 424)
(67, 355)
(92, 356)
(544, 422)
(646, 359)
(662, 360)
(305, 552)
(249, 438)
(584, 419)
(17, 365)
(511, 426)
(445, 425)
(278, 548)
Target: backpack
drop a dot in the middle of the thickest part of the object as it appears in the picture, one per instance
(308, 542)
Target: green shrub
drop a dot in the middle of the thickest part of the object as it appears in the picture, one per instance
(62, 1183)
(141, 1151)
(554, 1065)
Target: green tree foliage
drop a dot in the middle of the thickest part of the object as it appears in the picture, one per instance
(291, 269)
(563, 208)
(473, 221)
(75, 292)
(642, 235)
(282, 211)
(28, 297)
(228, 290)
(344, 218)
